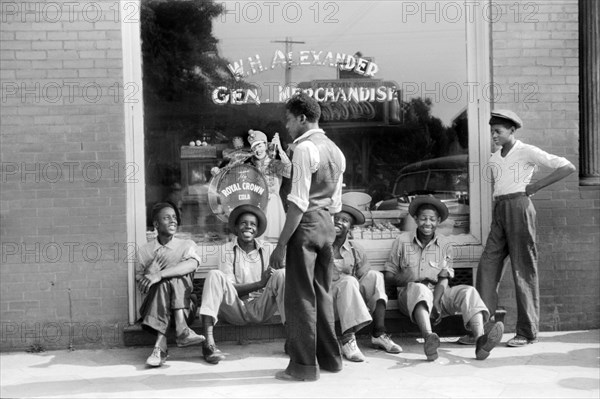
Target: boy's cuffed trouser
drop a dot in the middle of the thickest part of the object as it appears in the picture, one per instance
(513, 233)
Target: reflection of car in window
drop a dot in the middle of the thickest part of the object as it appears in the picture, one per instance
(446, 177)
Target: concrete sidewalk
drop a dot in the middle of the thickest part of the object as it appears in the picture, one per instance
(562, 364)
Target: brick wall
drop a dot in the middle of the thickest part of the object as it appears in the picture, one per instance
(535, 73)
(62, 204)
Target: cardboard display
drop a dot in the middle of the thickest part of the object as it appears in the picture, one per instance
(240, 185)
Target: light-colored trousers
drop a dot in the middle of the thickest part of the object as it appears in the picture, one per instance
(354, 300)
(462, 299)
(220, 299)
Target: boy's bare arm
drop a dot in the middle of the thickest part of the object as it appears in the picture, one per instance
(557, 175)
(245, 289)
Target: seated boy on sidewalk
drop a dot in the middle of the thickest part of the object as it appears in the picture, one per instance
(357, 291)
(165, 273)
(420, 265)
(245, 289)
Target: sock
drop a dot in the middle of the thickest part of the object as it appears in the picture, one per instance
(347, 337)
(207, 325)
(378, 332)
(379, 319)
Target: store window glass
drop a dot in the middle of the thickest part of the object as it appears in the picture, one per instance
(390, 77)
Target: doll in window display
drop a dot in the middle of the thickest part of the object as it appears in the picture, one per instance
(263, 156)
(273, 169)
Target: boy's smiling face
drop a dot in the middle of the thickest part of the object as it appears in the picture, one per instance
(166, 222)
(246, 227)
(342, 222)
(427, 220)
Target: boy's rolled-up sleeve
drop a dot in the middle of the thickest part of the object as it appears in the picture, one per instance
(447, 261)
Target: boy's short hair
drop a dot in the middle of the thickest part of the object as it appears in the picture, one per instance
(162, 205)
(302, 104)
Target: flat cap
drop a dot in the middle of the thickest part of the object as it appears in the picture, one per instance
(506, 115)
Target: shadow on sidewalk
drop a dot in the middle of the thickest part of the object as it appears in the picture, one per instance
(145, 381)
(577, 337)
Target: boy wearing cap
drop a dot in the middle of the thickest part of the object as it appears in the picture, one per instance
(306, 243)
(245, 289)
(420, 265)
(513, 229)
(354, 284)
(164, 274)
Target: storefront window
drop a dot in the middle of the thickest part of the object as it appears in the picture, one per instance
(390, 77)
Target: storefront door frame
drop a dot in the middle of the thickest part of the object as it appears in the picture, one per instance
(134, 143)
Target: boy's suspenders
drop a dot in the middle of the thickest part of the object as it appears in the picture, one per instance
(355, 267)
(262, 260)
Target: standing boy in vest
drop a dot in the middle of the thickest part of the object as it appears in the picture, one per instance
(306, 242)
(513, 227)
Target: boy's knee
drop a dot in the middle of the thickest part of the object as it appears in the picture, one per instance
(279, 274)
(277, 280)
(421, 291)
(215, 275)
(348, 282)
(370, 276)
(470, 292)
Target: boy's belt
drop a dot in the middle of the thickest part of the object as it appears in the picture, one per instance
(509, 196)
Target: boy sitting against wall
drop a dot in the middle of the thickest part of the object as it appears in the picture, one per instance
(244, 289)
(420, 265)
(165, 274)
(357, 291)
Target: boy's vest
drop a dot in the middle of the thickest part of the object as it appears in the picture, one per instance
(325, 179)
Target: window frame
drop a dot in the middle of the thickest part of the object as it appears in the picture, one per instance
(469, 246)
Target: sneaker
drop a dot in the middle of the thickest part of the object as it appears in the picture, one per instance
(212, 354)
(520, 340)
(384, 341)
(431, 345)
(488, 341)
(351, 351)
(157, 358)
(189, 338)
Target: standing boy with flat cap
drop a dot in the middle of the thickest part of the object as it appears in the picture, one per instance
(420, 265)
(513, 229)
(357, 290)
(305, 242)
(245, 289)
